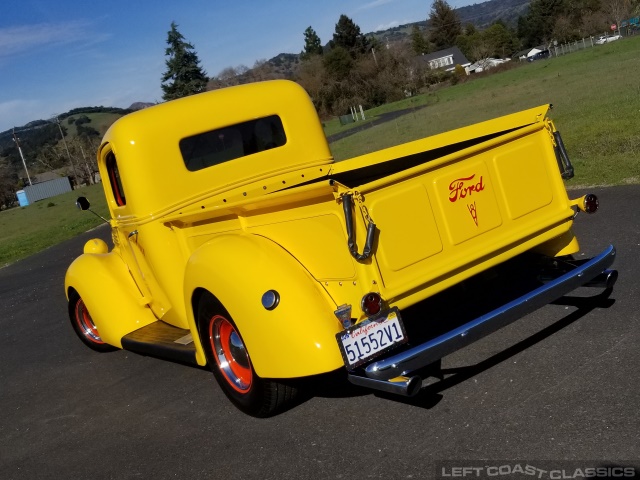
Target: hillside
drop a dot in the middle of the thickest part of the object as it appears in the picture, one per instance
(43, 150)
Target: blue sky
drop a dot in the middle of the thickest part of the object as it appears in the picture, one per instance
(59, 55)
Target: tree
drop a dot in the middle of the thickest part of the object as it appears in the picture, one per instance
(500, 39)
(338, 63)
(312, 44)
(617, 10)
(184, 75)
(348, 36)
(8, 184)
(419, 43)
(537, 26)
(444, 25)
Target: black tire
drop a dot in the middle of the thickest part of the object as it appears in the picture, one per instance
(83, 325)
(231, 364)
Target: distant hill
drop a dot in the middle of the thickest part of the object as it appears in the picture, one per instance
(140, 105)
(481, 15)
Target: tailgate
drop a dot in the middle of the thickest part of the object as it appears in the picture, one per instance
(467, 210)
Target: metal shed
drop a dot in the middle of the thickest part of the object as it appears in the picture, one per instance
(39, 191)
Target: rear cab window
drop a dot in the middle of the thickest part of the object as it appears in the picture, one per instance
(221, 145)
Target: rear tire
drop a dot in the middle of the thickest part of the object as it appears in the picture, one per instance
(231, 365)
(83, 325)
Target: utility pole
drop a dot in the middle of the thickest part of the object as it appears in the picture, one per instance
(17, 140)
(73, 165)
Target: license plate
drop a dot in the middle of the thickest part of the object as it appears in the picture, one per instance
(373, 337)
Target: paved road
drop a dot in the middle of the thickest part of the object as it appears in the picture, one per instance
(562, 383)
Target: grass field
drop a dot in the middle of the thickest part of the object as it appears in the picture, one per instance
(596, 97)
(27, 230)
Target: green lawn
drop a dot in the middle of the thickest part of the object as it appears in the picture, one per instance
(596, 98)
(595, 92)
(27, 230)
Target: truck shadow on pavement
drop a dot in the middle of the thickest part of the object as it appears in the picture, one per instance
(431, 394)
(336, 385)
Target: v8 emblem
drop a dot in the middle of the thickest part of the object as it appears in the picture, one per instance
(473, 211)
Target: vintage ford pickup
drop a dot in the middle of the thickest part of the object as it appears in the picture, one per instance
(239, 243)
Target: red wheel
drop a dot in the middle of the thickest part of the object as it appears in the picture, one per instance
(230, 354)
(230, 362)
(83, 325)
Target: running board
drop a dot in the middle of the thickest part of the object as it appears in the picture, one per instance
(162, 340)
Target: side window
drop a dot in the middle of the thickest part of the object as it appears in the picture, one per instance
(224, 144)
(115, 181)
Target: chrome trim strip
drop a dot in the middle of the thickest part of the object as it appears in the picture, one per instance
(433, 350)
(406, 386)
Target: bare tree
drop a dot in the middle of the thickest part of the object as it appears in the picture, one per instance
(618, 10)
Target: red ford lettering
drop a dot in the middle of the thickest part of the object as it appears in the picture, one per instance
(461, 187)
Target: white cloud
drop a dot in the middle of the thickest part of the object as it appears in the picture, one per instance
(374, 4)
(25, 38)
(387, 26)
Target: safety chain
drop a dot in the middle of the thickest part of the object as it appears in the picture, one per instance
(347, 202)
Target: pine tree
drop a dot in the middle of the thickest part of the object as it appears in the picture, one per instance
(312, 44)
(419, 43)
(537, 26)
(444, 25)
(348, 36)
(184, 75)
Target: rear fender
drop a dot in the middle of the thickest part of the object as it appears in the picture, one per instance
(114, 302)
(294, 339)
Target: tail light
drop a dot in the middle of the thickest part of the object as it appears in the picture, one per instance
(371, 303)
(590, 203)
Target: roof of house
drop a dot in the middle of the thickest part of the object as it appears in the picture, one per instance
(458, 56)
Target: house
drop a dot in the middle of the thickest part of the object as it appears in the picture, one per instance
(446, 59)
(485, 64)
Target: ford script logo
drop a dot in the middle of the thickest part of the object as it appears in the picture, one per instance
(463, 187)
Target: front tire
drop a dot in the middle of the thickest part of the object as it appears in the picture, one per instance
(83, 325)
(231, 364)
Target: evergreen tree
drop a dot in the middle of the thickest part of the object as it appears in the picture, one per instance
(348, 36)
(419, 43)
(444, 25)
(338, 63)
(312, 44)
(537, 26)
(184, 75)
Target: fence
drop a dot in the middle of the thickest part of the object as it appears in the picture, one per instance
(588, 42)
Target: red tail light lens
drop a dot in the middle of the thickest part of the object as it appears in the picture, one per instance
(590, 203)
(371, 303)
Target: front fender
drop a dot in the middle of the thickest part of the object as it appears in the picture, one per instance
(114, 302)
(296, 338)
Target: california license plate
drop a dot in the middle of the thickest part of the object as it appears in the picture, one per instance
(370, 338)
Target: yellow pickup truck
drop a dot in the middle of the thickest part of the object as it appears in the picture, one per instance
(239, 243)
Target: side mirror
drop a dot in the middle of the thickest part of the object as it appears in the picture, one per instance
(82, 203)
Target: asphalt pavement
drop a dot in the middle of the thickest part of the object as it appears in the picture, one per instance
(559, 385)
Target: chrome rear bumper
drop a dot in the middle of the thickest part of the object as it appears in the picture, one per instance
(377, 375)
